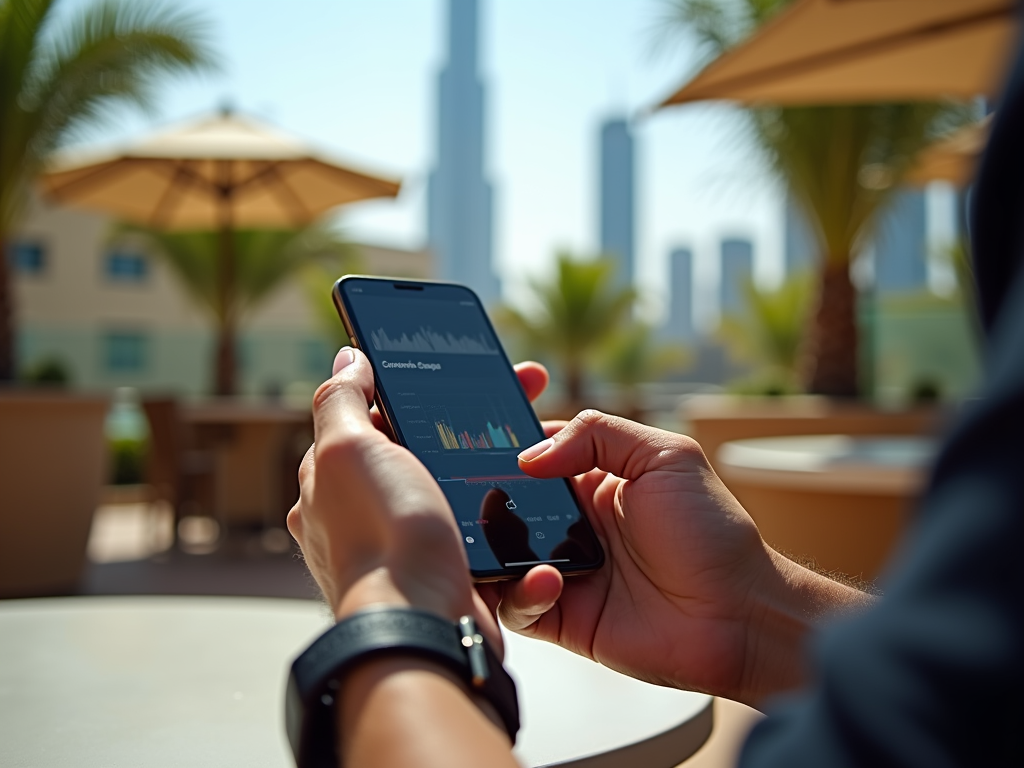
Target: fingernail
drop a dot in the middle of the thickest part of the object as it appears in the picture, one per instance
(345, 357)
(534, 451)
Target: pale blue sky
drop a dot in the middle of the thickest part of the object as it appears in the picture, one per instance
(359, 80)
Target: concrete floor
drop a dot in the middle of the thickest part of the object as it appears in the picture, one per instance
(130, 553)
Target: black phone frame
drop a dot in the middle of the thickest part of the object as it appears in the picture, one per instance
(384, 407)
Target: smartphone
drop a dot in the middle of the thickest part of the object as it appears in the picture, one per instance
(448, 393)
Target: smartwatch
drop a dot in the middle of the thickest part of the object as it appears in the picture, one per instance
(317, 675)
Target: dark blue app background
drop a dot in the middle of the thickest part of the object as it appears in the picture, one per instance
(459, 409)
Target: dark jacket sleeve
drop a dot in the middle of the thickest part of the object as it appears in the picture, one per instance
(933, 676)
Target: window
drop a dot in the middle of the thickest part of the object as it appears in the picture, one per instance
(125, 351)
(316, 358)
(124, 266)
(28, 258)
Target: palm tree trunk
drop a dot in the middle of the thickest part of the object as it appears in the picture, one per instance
(226, 364)
(7, 340)
(830, 349)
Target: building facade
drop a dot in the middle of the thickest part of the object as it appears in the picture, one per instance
(111, 314)
(460, 199)
(617, 205)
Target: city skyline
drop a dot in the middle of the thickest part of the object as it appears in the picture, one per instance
(372, 101)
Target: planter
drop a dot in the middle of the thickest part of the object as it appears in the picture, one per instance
(713, 420)
(53, 460)
(847, 519)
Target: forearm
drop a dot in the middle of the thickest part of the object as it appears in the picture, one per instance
(402, 711)
(791, 601)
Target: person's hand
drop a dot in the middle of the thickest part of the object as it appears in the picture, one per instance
(372, 523)
(690, 596)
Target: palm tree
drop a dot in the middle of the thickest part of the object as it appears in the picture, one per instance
(841, 165)
(56, 78)
(264, 260)
(768, 334)
(633, 356)
(576, 313)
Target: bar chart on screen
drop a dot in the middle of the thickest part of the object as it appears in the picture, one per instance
(426, 339)
(480, 426)
(491, 437)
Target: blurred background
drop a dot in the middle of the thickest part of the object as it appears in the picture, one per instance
(181, 183)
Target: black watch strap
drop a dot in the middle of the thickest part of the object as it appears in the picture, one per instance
(316, 675)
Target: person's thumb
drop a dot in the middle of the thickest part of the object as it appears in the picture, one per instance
(341, 405)
(595, 440)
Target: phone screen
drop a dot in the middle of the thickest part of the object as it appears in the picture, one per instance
(453, 399)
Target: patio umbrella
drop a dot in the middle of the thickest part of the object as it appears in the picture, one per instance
(849, 51)
(953, 158)
(217, 173)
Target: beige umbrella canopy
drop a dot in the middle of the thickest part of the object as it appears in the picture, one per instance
(218, 173)
(849, 51)
(224, 169)
(953, 158)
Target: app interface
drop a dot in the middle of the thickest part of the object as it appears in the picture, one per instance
(462, 413)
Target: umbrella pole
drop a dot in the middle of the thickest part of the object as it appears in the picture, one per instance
(225, 363)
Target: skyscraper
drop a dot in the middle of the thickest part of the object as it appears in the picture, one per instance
(737, 270)
(617, 197)
(680, 308)
(800, 244)
(901, 259)
(459, 205)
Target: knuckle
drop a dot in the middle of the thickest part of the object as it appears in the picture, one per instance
(344, 451)
(294, 520)
(590, 417)
(306, 464)
(325, 392)
(688, 445)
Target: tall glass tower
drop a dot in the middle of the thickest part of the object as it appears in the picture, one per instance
(617, 197)
(801, 247)
(459, 205)
(737, 270)
(680, 312)
(901, 248)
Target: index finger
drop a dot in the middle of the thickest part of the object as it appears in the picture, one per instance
(534, 378)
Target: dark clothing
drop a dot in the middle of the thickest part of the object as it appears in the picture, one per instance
(934, 675)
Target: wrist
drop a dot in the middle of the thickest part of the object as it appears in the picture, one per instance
(400, 676)
(385, 586)
(788, 603)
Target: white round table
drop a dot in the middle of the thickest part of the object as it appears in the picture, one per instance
(176, 681)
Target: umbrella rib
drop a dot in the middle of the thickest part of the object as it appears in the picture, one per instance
(96, 174)
(286, 194)
(182, 177)
(853, 51)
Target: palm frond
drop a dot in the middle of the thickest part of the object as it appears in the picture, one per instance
(769, 333)
(112, 52)
(55, 79)
(575, 314)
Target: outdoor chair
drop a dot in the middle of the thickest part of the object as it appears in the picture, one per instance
(177, 471)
